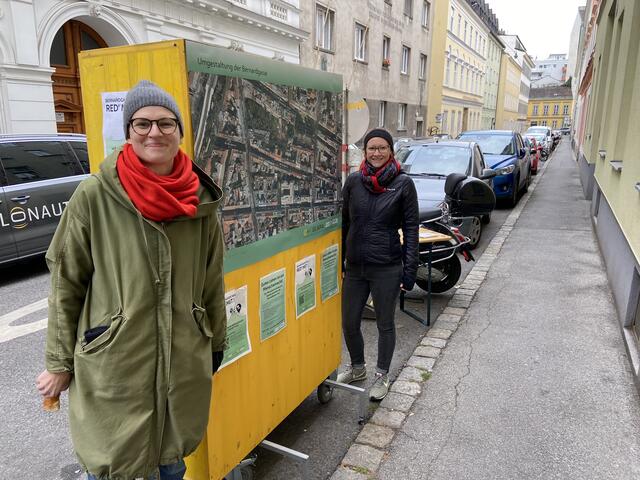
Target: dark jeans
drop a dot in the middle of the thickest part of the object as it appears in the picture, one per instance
(175, 471)
(383, 282)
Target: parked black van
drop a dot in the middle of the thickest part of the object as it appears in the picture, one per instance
(38, 175)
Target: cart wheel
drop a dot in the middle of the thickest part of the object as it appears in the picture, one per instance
(325, 392)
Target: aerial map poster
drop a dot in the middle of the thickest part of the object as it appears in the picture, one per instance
(270, 134)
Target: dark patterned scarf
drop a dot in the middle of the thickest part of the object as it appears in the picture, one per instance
(376, 180)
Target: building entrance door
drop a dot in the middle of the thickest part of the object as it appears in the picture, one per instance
(72, 37)
(465, 120)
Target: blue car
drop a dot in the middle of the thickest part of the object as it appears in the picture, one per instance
(505, 152)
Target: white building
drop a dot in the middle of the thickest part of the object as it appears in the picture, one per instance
(550, 72)
(516, 49)
(40, 40)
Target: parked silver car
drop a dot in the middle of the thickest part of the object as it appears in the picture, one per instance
(38, 175)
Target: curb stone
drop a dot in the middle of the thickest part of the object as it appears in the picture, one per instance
(362, 460)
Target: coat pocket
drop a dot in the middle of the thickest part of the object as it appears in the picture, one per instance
(199, 315)
(113, 322)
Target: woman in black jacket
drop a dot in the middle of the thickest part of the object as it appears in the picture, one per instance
(378, 201)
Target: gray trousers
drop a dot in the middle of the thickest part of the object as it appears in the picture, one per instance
(383, 282)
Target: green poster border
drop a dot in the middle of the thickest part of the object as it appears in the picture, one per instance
(241, 257)
(231, 63)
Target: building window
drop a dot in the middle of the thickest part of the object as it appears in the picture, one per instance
(554, 124)
(445, 121)
(535, 109)
(325, 21)
(556, 109)
(453, 14)
(447, 75)
(402, 116)
(470, 35)
(565, 110)
(543, 123)
(459, 25)
(422, 71)
(459, 121)
(406, 57)
(386, 51)
(408, 8)
(382, 113)
(424, 18)
(545, 110)
(465, 31)
(455, 74)
(360, 51)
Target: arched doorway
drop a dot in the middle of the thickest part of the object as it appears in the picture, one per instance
(72, 37)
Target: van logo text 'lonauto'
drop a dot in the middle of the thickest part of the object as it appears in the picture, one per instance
(21, 217)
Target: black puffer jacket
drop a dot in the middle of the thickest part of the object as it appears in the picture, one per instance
(370, 224)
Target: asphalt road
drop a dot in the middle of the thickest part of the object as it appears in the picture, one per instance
(37, 444)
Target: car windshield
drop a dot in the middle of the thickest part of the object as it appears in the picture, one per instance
(538, 136)
(434, 159)
(542, 130)
(491, 144)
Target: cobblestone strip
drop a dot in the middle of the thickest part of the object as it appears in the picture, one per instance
(365, 456)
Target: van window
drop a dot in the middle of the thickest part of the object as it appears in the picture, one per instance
(80, 148)
(34, 161)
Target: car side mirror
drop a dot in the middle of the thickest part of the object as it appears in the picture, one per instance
(523, 152)
(488, 173)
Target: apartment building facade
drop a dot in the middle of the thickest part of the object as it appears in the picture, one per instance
(465, 69)
(39, 43)
(610, 150)
(382, 50)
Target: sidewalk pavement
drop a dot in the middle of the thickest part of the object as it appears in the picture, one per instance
(524, 375)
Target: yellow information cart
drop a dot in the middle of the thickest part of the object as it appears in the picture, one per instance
(269, 133)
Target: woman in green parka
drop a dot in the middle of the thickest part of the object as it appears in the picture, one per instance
(136, 312)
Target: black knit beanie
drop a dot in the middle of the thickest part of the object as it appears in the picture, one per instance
(380, 133)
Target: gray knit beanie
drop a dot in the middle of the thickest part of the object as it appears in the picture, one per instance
(146, 94)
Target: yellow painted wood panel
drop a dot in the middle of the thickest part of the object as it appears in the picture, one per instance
(120, 68)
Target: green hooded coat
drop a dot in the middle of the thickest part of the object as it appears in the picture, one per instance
(140, 392)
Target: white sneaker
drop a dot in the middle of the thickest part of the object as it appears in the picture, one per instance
(380, 387)
(352, 374)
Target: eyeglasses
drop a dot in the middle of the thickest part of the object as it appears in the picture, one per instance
(382, 149)
(142, 126)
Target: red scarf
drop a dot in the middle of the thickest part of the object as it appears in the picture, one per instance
(376, 179)
(159, 197)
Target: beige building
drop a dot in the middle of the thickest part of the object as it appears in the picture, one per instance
(381, 49)
(465, 65)
(495, 49)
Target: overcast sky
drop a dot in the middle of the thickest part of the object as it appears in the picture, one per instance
(544, 26)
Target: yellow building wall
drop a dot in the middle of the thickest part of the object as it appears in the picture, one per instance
(538, 117)
(436, 71)
(508, 93)
(462, 105)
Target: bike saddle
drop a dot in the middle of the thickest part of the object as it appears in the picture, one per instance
(452, 181)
